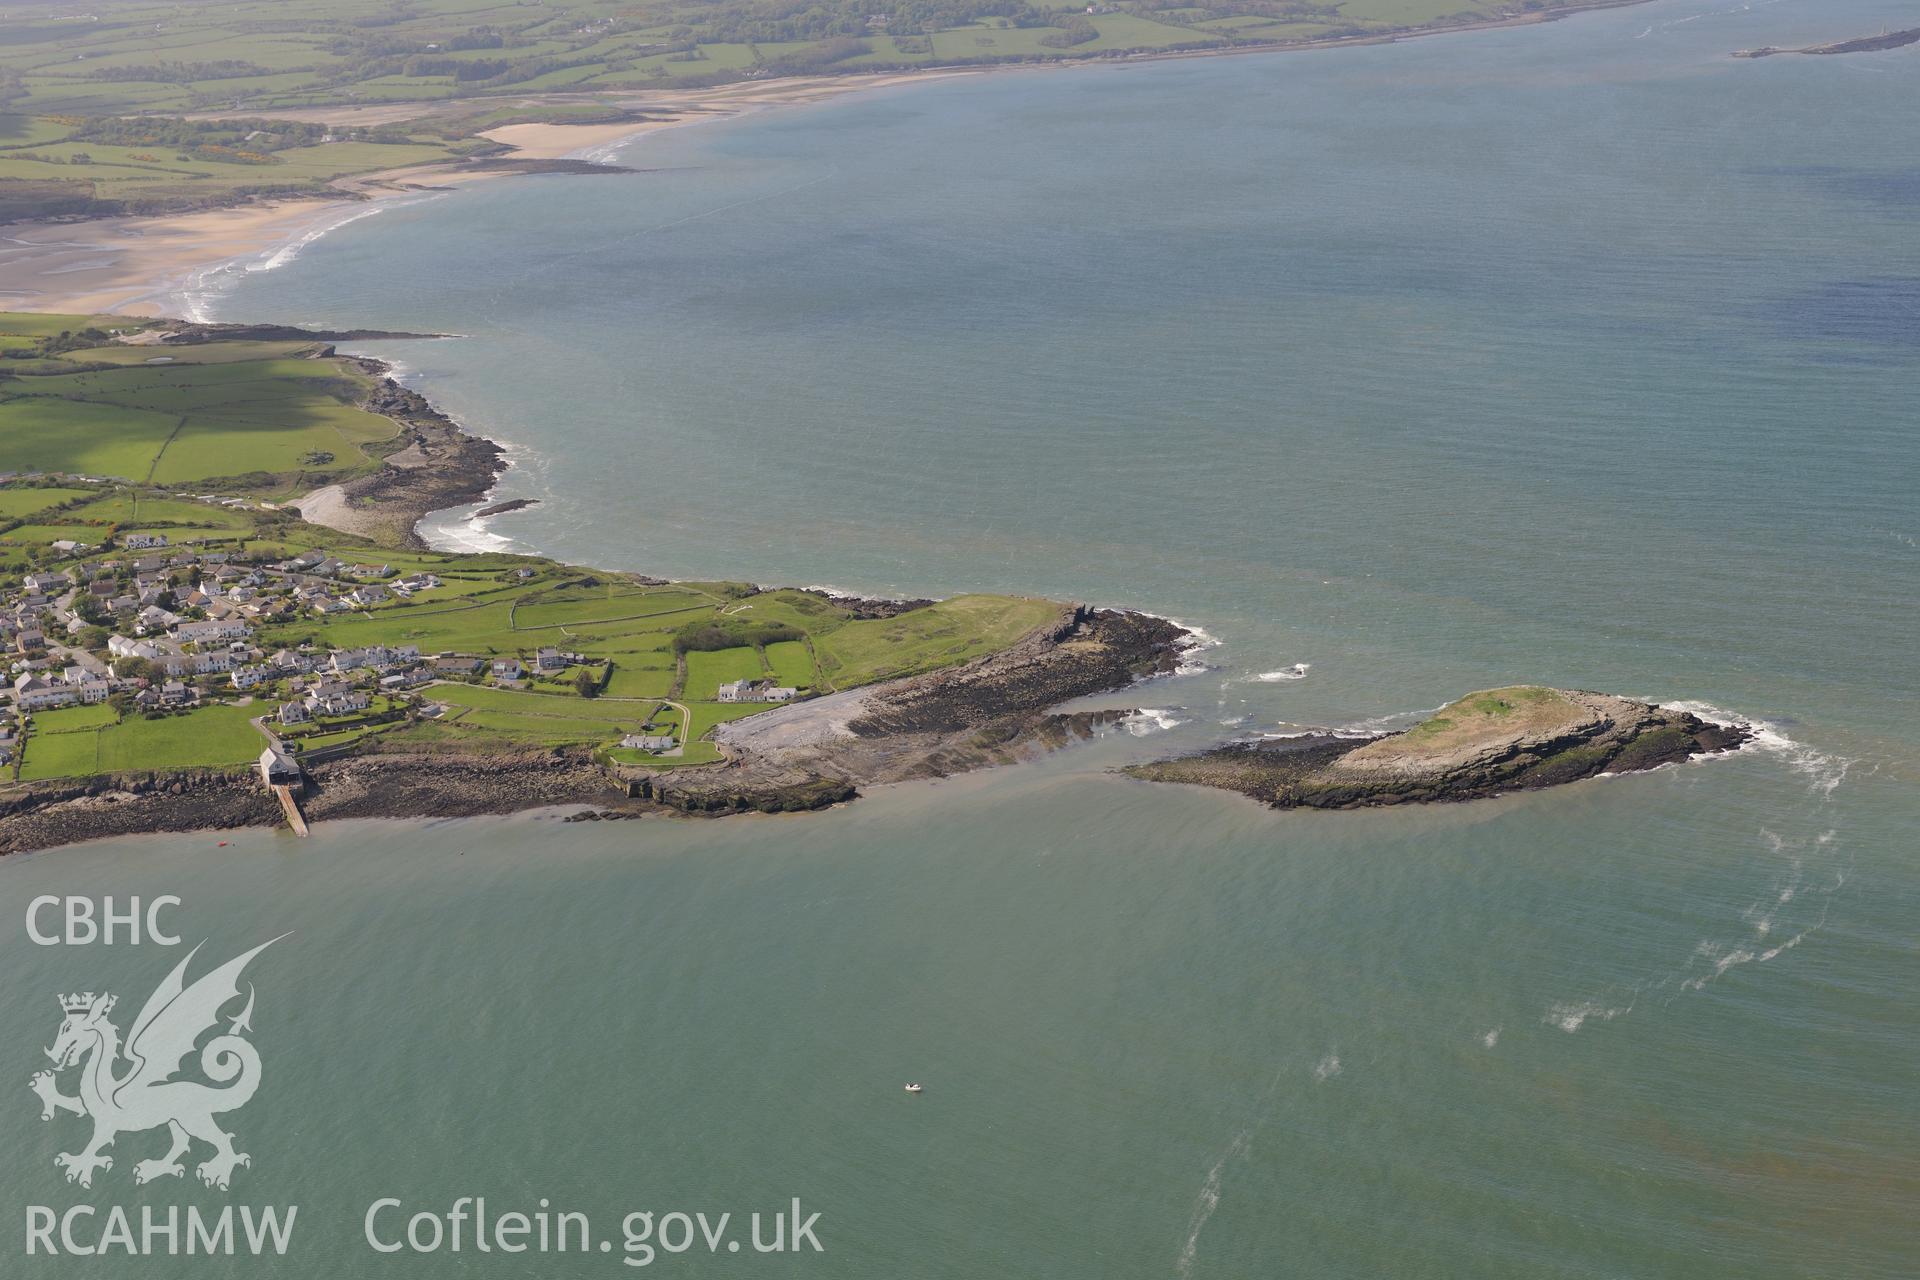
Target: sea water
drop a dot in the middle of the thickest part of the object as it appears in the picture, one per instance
(1580, 353)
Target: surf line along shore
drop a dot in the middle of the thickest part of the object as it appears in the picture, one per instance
(997, 708)
(147, 265)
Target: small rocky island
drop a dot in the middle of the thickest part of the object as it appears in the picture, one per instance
(1863, 44)
(1498, 740)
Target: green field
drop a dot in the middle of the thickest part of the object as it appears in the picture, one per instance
(549, 719)
(74, 719)
(17, 504)
(792, 664)
(209, 737)
(943, 634)
(706, 672)
(204, 418)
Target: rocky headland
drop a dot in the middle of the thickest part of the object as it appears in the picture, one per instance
(434, 465)
(993, 710)
(1518, 738)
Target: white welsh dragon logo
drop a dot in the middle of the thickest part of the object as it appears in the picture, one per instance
(145, 1095)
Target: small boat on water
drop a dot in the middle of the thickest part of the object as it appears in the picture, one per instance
(913, 1088)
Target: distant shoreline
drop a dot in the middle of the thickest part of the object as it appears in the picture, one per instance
(146, 266)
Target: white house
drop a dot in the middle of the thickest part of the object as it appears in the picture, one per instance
(647, 741)
(214, 629)
(153, 618)
(331, 698)
(31, 693)
(754, 691)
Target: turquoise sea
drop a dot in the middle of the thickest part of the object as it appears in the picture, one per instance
(1579, 353)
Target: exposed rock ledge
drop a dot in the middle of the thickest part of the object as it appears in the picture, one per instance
(1498, 740)
(434, 466)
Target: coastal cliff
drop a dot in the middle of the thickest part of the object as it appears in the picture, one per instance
(1512, 739)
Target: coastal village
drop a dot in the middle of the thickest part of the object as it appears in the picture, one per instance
(173, 623)
(139, 626)
(180, 631)
(153, 634)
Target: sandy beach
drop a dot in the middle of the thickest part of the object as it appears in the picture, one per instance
(140, 266)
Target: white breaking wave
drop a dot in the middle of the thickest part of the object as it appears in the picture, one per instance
(287, 252)
(1491, 1038)
(1327, 1068)
(1298, 671)
(1150, 720)
(1196, 642)
(1823, 770)
(450, 531)
(197, 294)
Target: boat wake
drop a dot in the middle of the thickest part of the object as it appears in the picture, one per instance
(1209, 1197)
(1807, 873)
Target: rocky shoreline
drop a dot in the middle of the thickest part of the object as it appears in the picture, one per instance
(1863, 44)
(993, 710)
(1486, 744)
(437, 466)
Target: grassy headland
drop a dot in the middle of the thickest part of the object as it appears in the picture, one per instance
(161, 594)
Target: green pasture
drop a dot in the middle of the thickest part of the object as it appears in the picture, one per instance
(939, 635)
(707, 671)
(192, 421)
(792, 664)
(207, 737)
(18, 504)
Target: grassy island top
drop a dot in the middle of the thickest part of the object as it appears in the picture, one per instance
(107, 109)
(1480, 721)
(160, 607)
